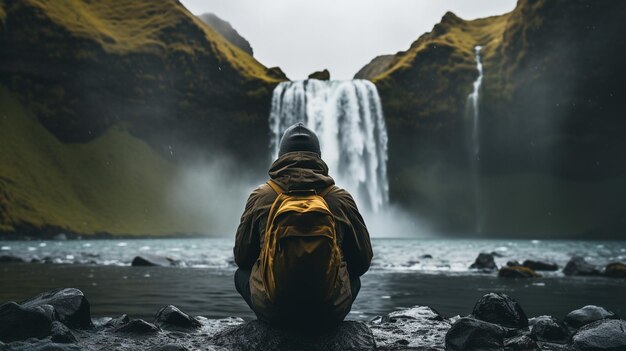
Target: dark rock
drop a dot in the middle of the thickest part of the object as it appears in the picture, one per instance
(496, 254)
(615, 270)
(44, 345)
(398, 327)
(10, 259)
(117, 322)
(500, 309)
(60, 236)
(138, 327)
(61, 334)
(484, 261)
(320, 75)
(586, 315)
(521, 343)
(171, 318)
(20, 323)
(473, 334)
(427, 256)
(70, 304)
(608, 334)
(513, 263)
(517, 272)
(540, 266)
(151, 260)
(547, 328)
(276, 72)
(578, 266)
(256, 335)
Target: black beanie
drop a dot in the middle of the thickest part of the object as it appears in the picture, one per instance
(299, 138)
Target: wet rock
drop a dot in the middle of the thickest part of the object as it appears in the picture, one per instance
(137, 327)
(70, 304)
(256, 335)
(171, 318)
(500, 309)
(615, 270)
(117, 322)
(517, 272)
(607, 334)
(547, 328)
(427, 256)
(496, 254)
(540, 265)
(578, 266)
(403, 327)
(484, 262)
(43, 345)
(521, 343)
(10, 259)
(169, 347)
(151, 260)
(513, 263)
(61, 334)
(320, 75)
(586, 315)
(20, 323)
(473, 334)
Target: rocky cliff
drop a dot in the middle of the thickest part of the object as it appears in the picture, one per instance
(550, 128)
(104, 100)
(226, 30)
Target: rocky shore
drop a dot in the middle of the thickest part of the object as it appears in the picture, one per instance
(61, 320)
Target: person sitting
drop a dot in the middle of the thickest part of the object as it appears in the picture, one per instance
(301, 245)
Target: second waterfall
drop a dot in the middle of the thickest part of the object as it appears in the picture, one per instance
(348, 119)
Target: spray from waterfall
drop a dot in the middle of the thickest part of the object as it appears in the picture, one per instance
(348, 119)
(474, 158)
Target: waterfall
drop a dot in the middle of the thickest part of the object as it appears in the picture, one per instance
(348, 119)
(474, 147)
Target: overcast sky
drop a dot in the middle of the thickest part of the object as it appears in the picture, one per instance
(303, 36)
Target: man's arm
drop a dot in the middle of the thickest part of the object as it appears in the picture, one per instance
(247, 241)
(357, 248)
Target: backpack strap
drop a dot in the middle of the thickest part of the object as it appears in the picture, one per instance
(277, 189)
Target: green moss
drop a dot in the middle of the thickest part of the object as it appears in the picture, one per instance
(115, 184)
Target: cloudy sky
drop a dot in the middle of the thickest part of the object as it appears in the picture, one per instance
(302, 36)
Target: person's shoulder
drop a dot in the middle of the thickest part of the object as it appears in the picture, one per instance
(340, 195)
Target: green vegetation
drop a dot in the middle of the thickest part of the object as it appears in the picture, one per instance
(115, 184)
(156, 27)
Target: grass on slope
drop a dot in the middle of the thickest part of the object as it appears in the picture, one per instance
(125, 26)
(115, 184)
(455, 32)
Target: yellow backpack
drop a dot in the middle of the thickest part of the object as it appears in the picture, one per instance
(300, 257)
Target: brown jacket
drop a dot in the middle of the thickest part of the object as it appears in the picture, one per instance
(303, 171)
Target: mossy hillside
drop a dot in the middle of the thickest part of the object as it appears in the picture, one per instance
(84, 66)
(114, 184)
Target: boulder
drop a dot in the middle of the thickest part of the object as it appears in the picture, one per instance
(169, 347)
(320, 75)
(137, 327)
(513, 263)
(578, 266)
(20, 323)
(547, 328)
(615, 270)
(484, 262)
(276, 72)
(586, 315)
(473, 334)
(70, 304)
(426, 256)
(61, 334)
(521, 342)
(540, 265)
(500, 309)
(402, 327)
(171, 318)
(606, 334)
(151, 260)
(256, 335)
(517, 272)
(10, 259)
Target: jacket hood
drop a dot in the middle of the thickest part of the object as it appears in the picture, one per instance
(300, 170)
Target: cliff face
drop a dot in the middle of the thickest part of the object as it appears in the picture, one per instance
(104, 100)
(152, 66)
(227, 31)
(550, 128)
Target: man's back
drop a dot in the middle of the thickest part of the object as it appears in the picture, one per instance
(300, 168)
